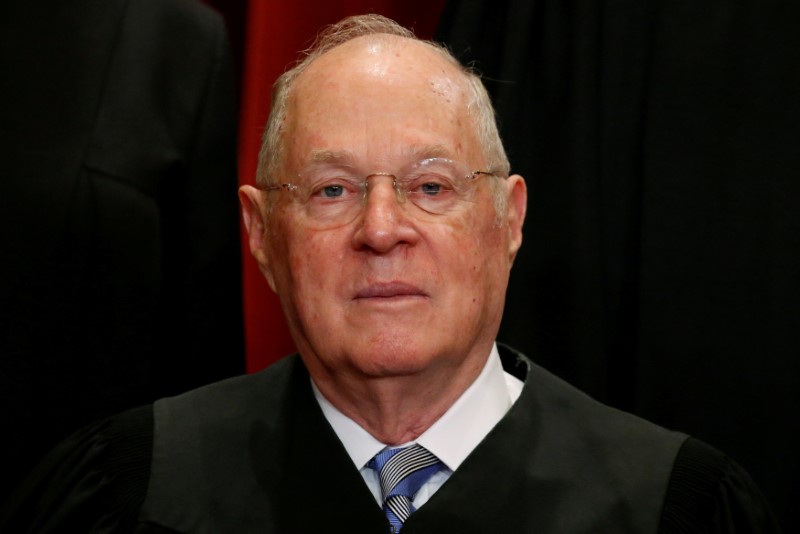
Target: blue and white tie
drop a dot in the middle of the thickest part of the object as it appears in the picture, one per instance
(402, 473)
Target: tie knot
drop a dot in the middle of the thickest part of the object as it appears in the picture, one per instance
(402, 473)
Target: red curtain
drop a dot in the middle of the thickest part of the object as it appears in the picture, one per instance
(274, 32)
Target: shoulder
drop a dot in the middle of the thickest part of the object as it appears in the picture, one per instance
(709, 492)
(231, 408)
(688, 485)
(571, 412)
(99, 475)
(107, 473)
(604, 460)
(236, 435)
(237, 395)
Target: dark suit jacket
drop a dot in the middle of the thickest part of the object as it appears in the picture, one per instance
(120, 278)
(255, 454)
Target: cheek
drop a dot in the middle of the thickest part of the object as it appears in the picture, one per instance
(315, 265)
(458, 265)
(485, 266)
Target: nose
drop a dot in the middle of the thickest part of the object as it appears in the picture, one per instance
(384, 223)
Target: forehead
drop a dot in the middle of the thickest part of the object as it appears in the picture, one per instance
(379, 97)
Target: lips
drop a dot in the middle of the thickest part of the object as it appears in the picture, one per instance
(390, 290)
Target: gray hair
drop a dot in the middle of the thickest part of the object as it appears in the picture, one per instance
(479, 105)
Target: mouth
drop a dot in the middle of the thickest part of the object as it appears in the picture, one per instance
(389, 290)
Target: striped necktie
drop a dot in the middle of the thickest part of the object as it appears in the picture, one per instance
(402, 473)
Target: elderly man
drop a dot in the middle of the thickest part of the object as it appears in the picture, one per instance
(386, 221)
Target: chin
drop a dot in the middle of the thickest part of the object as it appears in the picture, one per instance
(393, 366)
(397, 357)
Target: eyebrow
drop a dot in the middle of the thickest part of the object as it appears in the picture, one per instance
(331, 156)
(413, 152)
(429, 151)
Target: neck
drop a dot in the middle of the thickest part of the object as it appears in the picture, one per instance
(397, 409)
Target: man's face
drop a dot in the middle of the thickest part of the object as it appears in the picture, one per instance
(388, 293)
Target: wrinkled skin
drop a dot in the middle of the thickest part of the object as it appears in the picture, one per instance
(393, 316)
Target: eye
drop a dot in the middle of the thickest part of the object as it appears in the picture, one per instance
(428, 185)
(332, 191)
(335, 189)
(430, 188)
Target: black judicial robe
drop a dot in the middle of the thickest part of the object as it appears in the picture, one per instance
(255, 454)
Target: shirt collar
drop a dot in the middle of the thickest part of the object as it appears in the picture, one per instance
(453, 437)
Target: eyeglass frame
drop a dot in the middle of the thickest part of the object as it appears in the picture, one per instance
(400, 193)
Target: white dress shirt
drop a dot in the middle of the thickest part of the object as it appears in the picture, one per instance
(451, 438)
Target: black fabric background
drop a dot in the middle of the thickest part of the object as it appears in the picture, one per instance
(660, 269)
(119, 235)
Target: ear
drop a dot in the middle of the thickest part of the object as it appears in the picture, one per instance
(255, 224)
(516, 206)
